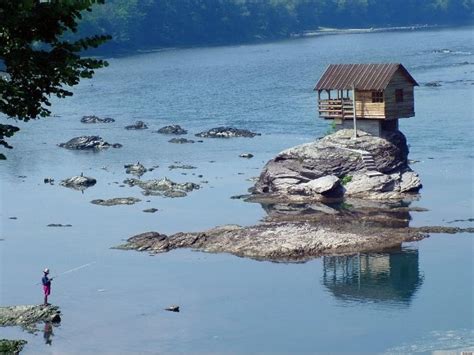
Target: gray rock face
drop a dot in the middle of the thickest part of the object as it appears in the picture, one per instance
(88, 143)
(78, 182)
(137, 125)
(163, 187)
(172, 129)
(296, 171)
(226, 132)
(28, 316)
(180, 140)
(135, 169)
(95, 119)
(325, 185)
(278, 242)
(116, 201)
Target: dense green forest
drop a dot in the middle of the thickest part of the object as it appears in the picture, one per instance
(161, 23)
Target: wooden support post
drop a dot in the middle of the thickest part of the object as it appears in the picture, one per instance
(354, 115)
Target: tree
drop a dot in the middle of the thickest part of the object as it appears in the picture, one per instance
(36, 61)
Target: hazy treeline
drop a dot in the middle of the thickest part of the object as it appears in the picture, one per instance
(151, 23)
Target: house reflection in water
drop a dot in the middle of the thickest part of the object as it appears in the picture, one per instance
(391, 277)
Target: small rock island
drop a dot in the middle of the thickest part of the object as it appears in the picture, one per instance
(363, 164)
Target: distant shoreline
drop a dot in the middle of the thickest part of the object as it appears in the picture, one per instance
(121, 51)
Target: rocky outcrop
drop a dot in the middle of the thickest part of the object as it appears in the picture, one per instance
(88, 143)
(116, 201)
(163, 187)
(28, 316)
(278, 242)
(78, 182)
(226, 132)
(137, 125)
(295, 173)
(95, 119)
(184, 166)
(172, 129)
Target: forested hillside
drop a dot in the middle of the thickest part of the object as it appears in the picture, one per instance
(156, 23)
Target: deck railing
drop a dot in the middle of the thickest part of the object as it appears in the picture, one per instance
(336, 108)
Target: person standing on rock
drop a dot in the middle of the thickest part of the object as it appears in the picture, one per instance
(46, 281)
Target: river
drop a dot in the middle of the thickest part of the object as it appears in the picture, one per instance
(418, 298)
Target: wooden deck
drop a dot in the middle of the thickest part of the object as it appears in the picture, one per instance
(336, 108)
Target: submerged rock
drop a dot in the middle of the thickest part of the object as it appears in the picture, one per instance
(293, 173)
(28, 316)
(163, 187)
(172, 129)
(58, 225)
(180, 140)
(78, 182)
(95, 119)
(185, 166)
(137, 125)
(150, 210)
(226, 132)
(88, 143)
(116, 201)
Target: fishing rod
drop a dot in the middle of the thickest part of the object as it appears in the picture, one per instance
(71, 270)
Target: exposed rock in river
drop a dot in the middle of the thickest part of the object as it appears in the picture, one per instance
(135, 169)
(137, 125)
(226, 132)
(279, 242)
(28, 316)
(180, 140)
(88, 143)
(116, 201)
(78, 182)
(293, 173)
(185, 166)
(95, 119)
(172, 129)
(163, 187)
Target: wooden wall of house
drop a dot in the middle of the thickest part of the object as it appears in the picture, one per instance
(395, 109)
(365, 108)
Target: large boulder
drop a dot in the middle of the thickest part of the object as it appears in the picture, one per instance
(163, 187)
(298, 170)
(137, 125)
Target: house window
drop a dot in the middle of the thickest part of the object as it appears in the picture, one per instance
(377, 96)
(399, 95)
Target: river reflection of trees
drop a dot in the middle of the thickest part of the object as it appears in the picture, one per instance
(390, 277)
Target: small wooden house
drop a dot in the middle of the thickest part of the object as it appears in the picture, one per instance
(367, 97)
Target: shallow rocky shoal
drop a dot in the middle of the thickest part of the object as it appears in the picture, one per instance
(27, 316)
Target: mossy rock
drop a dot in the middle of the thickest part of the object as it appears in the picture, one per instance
(11, 346)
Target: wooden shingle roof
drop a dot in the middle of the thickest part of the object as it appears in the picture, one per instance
(362, 76)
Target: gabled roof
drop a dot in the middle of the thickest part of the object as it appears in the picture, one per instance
(362, 76)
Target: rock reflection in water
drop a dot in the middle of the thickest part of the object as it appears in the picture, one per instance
(392, 277)
(393, 214)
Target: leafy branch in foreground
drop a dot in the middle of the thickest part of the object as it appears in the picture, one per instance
(35, 61)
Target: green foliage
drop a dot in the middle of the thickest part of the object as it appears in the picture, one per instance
(36, 62)
(11, 346)
(148, 23)
(346, 179)
(332, 128)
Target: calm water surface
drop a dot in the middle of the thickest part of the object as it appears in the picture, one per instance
(415, 299)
